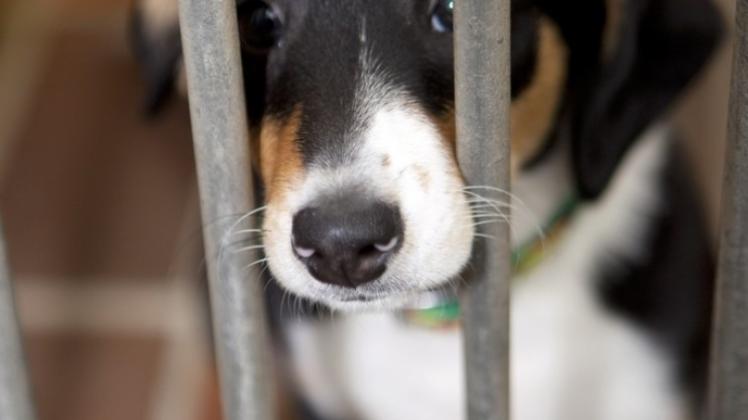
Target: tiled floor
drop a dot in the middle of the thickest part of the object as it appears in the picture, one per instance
(93, 377)
(100, 213)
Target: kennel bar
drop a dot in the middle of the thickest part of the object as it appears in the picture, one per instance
(15, 393)
(728, 398)
(482, 90)
(221, 140)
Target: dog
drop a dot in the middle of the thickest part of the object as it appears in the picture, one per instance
(368, 218)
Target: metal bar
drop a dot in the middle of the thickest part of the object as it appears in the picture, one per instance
(728, 397)
(15, 393)
(482, 90)
(219, 125)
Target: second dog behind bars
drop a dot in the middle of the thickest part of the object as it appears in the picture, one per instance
(370, 226)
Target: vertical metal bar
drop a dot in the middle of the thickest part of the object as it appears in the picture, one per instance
(728, 398)
(482, 87)
(15, 393)
(219, 125)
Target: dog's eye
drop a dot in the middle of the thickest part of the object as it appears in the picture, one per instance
(441, 16)
(260, 25)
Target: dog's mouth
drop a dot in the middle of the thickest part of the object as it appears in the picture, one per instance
(384, 295)
(367, 300)
(361, 299)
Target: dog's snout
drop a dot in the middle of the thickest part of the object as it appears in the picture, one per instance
(347, 243)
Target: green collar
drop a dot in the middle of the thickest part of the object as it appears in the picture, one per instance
(445, 313)
(530, 253)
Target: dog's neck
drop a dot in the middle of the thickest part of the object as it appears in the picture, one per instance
(538, 193)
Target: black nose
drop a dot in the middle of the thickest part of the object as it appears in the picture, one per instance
(347, 242)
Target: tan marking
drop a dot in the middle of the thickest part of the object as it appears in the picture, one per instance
(612, 31)
(423, 176)
(446, 125)
(534, 111)
(280, 159)
(386, 161)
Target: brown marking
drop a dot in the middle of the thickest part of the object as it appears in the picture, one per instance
(446, 125)
(612, 31)
(386, 161)
(447, 129)
(280, 159)
(423, 176)
(534, 111)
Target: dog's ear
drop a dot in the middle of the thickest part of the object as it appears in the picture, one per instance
(629, 60)
(154, 32)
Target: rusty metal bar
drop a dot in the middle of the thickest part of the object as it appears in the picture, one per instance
(728, 397)
(219, 126)
(15, 393)
(482, 87)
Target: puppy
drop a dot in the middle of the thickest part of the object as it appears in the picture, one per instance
(351, 108)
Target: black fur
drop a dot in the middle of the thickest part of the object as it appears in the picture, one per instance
(316, 61)
(611, 101)
(317, 65)
(669, 294)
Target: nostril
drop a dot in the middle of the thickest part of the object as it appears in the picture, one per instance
(368, 251)
(387, 247)
(378, 249)
(303, 252)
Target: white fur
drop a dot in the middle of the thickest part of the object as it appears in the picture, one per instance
(400, 134)
(571, 358)
(411, 144)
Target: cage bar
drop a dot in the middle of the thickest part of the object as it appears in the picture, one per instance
(15, 393)
(219, 126)
(482, 94)
(728, 398)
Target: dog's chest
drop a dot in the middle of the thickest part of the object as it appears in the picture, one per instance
(571, 358)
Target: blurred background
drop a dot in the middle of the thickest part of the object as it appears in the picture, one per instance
(101, 214)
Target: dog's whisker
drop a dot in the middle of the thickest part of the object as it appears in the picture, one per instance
(245, 217)
(475, 201)
(486, 202)
(513, 198)
(243, 231)
(479, 198)
(225, 240)
(488, 222)
(248, 240)
(474, 217)
(490, 217)
(509, 194)
(489, 212)
(257, 261)
(522, 211)
(485, 216)
(205, 226)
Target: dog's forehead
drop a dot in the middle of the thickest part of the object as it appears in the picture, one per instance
(339, 60)
(331, 37)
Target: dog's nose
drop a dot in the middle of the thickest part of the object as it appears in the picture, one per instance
(347, 243)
